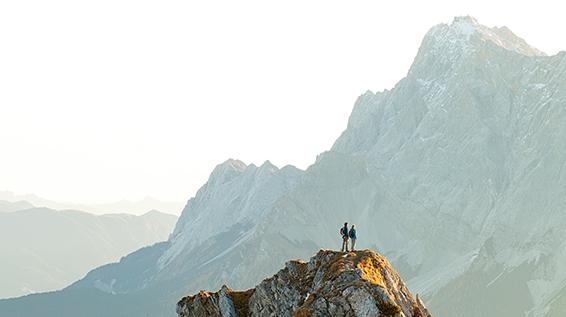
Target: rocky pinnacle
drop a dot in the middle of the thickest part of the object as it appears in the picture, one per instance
(360, 283)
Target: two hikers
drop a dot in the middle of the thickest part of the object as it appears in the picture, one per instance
(348, 235)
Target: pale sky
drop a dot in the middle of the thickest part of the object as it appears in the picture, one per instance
(113, 99)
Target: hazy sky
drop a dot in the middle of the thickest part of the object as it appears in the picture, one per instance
(111, 99)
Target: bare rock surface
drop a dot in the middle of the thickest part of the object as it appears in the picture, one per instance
(360, 283)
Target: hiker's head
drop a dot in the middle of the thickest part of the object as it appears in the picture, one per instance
(345, 224)
(353, 225)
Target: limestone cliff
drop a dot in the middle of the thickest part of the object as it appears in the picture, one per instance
(360, 283)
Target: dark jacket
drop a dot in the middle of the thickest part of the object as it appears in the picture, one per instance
(344, 232)
(352, 234)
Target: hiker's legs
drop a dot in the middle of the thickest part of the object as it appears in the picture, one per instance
(344, 245)
(353, 244)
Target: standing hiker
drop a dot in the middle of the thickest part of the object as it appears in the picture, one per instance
(344, 233)
(353, 237)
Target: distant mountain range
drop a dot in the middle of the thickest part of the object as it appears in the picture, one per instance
(123, 206)
(44, 249)
(8, 206)
(456, 175)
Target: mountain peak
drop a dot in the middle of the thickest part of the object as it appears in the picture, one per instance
(267, 165)
(233, 164)
(226, 171)
(465, 25)
(360, 283)
(465, 19)
(467, 33)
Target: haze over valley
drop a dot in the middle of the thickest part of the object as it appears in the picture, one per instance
(45, 249)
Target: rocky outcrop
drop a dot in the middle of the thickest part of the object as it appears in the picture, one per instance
(360, 283)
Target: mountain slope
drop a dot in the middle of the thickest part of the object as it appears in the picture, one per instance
(211, 235)
(455, 174)
(480, 151)
(219, 219)
(360, 283)
(8, 206)
(44, 249)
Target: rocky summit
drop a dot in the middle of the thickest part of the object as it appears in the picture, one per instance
(359, 283)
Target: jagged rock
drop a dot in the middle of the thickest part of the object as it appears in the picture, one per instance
(225, 303)
(360, 283)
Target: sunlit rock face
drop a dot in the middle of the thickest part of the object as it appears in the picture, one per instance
(456, 174)
(360, 283)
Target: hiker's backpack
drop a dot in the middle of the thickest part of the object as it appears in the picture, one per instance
(342, 231)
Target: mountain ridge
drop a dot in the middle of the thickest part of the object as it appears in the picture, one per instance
(464, 28)
(122, 206)
(456, 175)
(37, 244)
